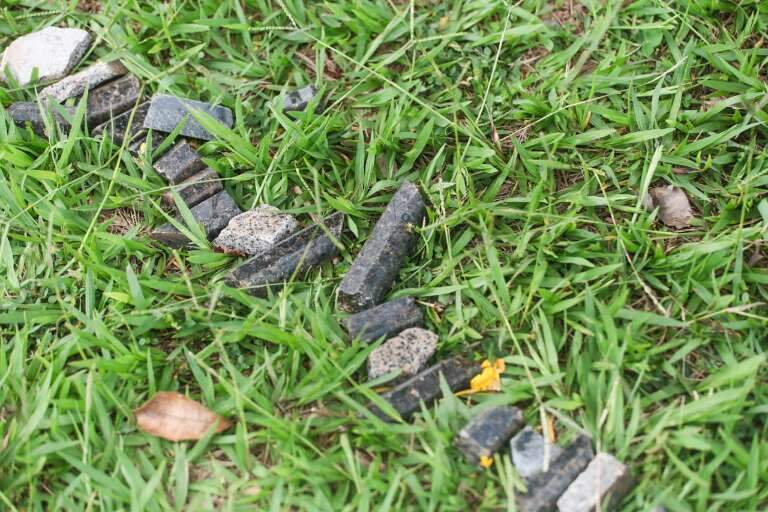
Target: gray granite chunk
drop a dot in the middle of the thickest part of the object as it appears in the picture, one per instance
(196, 189)
(255, 231)
(214, 213)
(85, 80)
(123, 127)
(180, 163)
(408, 352)
(166, 112)
(376, 266)
(297, 100)
(384, 320)
(30, 112)
(531, 452)
(488, 431)
(52, 51)
(601, 486)
(112, 99)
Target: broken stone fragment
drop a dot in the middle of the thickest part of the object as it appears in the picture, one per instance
(196, 189)
(24, 112)
(255, 231)
(166, 112)
(180, 163)
(674, 208)
(299, 99)
(52, 51)
(376, 266)
(121, 127)
(531, 453)
(293, 255)
(408, 352)
(112, 98)
(140, 147)
(544, 489)
(488, 431)
(601, 486)
(406, 398)
(384, 320)
(213, 214)
(85, 80)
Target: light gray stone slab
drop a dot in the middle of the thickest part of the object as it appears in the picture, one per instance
(255, 231)
(87, 79)
(166, 112)
(53, 51)
(530, 452)
(408, 352)
(601, 486)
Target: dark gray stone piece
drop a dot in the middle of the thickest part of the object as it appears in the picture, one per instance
(24, 112)
(406, 398)
(601, 486)
(408, 352)
(376, 266)
(195, 189)
(166, 112)
(112, 99)
(386, 319)
(297, 100)
(544, 489)
(214, 213)
(87, 79)
(118, 127)
(180, 163)
(139, 145)
(530, 452)
(488, 431)
(293, 255)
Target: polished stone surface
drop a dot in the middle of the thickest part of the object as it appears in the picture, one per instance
(29, 112)
(180, 163)
(384, 320)
(195, 189)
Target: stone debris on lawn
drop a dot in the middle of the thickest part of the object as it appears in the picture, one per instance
(408, 352)
(166, 112)
(406, 398)
(85, 80)
(139, 146)
(24, 112)
(118, 127)
(674, 208)
(384, 320)
(214, 213)
(255, 231)
(544, 489)
(376, 266)
(531, 453)
(601, 486)
(53, 51)
(196, 189)
(299, 99)
(293, 255)
(180, 163)
(112, 98)
(488, 431)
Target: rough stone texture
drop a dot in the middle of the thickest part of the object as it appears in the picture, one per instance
(214, 213)
(113, 98)
(166, 112)
(488, 431)
(530, 451)
(546, 487)
(407, 397)
(386, 319)
(378, 263)
(180, 163)
(118, 127)
(294, 255)
(30, 112)
(408, 352)
(52, 51)
(601, 486)
(296, 101)
(255, 231)
(196, 189)
(85, 80)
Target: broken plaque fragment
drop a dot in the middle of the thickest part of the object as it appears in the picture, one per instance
(376, 266)
(195, 189)
(255, 231)
(87, 79)
(123, 127)
(112, 98)
(488, 431)
(52, 51)
(408, 352)
(299, 99)
(24, 112)
(180, 163)
(601, 486)
(386, 319)
(531, 453)
(166, 112)
(213, 214)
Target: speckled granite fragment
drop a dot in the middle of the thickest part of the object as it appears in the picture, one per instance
(408, 352)
(85, 80)
(601, 486)
(255, 231)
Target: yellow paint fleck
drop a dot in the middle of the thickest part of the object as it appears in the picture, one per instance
(486, 461)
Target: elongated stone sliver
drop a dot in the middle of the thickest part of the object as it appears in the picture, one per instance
(180, 163)
(376, 266)
(488, 431)
(88, 78)
(24, 112)
(407, 397)
(122, 127)
(166, 112)
(113, 98)
(195, 189)
(213, 214)
(386, 320)
(601, 486)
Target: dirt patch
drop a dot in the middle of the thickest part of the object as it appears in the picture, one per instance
(92, 6)
(122, 220)
(570, 16)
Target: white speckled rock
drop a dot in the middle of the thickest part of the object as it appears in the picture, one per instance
(601, 486)
(529, 450)
(409, 351)
(52, 51)
(255, 231)
(90, 77)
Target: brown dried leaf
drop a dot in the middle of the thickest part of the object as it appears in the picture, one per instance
(175, 417)
(674, 208)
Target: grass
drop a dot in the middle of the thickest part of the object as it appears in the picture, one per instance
(533, 129)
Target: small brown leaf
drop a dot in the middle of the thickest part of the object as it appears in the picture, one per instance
(175, 417)
(674, 208)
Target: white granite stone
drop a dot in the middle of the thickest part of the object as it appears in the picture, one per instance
(408, 352)
(52, 51)
(90, 77)
(529, 450)
(601, 486)
(255, 231)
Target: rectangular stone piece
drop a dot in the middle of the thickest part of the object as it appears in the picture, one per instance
(385, 320)
(88, 78)
(406, 398)
(180, 163)
(544, 489)
(488, 431)
(118, 127)
(195, 189)
(214, 213)
(112, 98)
(166, 112)
(376, 266)
(601, 486)
(24, 112)
(295, 254)
(297, 100)
(531, 453)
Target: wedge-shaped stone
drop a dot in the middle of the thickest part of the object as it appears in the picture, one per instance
(85, 80)
(213, 214)
(255, 231)
(180, 163)
(52, 51)
(376, 266)
(30, 112)
(384, 320)
(601, 486)
(166, 112)
(531, 453)
(112, 99)
(488, 431)
(296, 101)
(196, 189)
(408, 352)
(406, 398)
(123, 127)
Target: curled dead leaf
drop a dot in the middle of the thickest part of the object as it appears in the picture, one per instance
(674, 208)
(175, 417)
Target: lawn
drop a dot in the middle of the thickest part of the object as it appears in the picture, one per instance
(533, 129)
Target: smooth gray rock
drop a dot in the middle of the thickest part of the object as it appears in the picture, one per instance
(166, 112)
(600, 487)
(123, 127)
(180, 163)
(52, 51)
(296, 101)
(213, 214)
(30, 112)
(408, 352)
(255, 231)
(195, 189)
(85, 80)
(530, 451)
(384, 320)
(112, 99)
(488, 431)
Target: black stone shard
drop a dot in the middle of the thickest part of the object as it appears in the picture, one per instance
(386, 320)
(29, 112)
(213, 214)
(112, 98)
(196, 188)
(488, 431)
(122, 127)
(180, 163)
(140, 147)
(299, 99)
(166, 112)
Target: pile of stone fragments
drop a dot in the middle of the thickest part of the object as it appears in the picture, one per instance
(277, 250)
